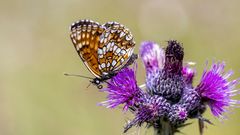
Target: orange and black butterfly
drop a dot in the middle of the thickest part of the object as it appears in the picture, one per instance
(104, 49)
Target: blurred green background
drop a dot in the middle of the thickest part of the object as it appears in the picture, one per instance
(37, 99)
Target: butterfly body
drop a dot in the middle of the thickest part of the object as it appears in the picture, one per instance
(104, 49)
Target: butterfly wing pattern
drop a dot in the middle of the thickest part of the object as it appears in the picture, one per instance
(85, 36)
(104, 49)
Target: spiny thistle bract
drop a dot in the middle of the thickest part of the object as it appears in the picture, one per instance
(169, 96)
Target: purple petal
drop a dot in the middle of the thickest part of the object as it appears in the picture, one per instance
(216, 90)
(188, 74)
(122, 89)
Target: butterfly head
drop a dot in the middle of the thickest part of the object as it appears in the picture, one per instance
(97, 82)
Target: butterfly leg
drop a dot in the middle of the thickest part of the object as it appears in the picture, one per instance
(99, 86)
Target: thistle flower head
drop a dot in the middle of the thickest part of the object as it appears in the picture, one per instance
(152, 56)
(168, 82)
(190, 99)
(173, 57)
(165, 84)
(177, 114)
(122, 89)
(152, 108)
(216, 90)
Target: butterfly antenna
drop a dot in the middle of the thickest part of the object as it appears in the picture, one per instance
(89, 85)
(66, 74)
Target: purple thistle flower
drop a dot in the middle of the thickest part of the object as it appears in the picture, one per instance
(152, 56)
(216, 90)
(169, 81)
(152, 108)
(170, 98)
(123, 89)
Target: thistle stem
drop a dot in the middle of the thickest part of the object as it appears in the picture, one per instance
(165, 128)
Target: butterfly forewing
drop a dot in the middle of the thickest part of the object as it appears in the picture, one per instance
(85, 36)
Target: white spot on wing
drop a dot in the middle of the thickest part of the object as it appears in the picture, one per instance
(128, 37)
(100, 56)
(118, 50)
(122, 34)
(112, 44)
(84, 42)
(108, 64)
(104, 50)
(106, 35)
(108, 46)
(112, 31)
(123, 52)
(114, 48)
(105, 40)
(75, 35)
(79, 45)
(114, 62)
(95, 26)
(73, 24)
(103, 65)
(74, 41)
(101, 40)
(105, 73)
(100, 51)
(122, 60)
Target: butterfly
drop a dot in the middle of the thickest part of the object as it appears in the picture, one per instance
(104, 49)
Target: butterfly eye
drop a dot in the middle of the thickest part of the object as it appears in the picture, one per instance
(97, 82)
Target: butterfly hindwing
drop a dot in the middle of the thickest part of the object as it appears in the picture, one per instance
(85, 36)
(117, 47)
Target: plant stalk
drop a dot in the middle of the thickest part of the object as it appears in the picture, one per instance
(165, 128)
